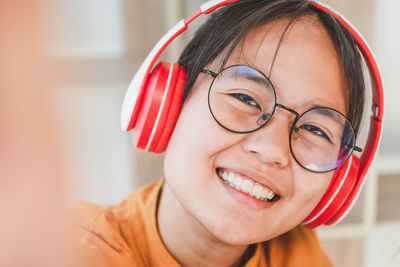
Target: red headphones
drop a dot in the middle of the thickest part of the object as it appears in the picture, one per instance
(153, 100)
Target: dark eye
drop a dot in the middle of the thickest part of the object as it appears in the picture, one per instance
(247, 100)
(315, 130)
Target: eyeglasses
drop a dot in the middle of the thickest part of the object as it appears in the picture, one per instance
(242, 100)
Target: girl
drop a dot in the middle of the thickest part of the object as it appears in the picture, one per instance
(273, 94)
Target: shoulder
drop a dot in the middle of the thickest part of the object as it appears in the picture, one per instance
(298, 247)
(108, 236)
(95, 237)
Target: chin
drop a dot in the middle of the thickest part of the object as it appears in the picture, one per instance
(236, 233)
(245, 232)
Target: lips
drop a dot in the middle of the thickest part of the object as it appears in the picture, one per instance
(247, 186)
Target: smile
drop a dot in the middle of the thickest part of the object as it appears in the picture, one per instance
(247, 186)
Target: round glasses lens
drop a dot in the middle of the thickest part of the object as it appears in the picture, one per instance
(241, 99)
(322, 140)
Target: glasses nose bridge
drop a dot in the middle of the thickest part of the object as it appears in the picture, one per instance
(287, 109)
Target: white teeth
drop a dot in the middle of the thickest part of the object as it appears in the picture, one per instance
(264, 193)
(231, 177)
(237, 183)
(221, 174)
(267, 194)
(256, 191)
(246, 186)
(224, 176)
(270, 195)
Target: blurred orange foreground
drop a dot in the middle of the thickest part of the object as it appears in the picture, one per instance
(31, 184)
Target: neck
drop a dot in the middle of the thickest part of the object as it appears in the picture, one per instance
(188, 241)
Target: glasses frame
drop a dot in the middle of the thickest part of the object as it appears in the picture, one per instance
(275, 105)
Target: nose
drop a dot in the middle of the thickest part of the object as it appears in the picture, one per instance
(271, 142)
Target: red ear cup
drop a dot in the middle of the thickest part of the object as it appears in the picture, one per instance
(173, 113)
(163, 94)
(349, 202)
(343, 181)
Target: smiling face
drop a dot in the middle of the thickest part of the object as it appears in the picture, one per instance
(204, 162)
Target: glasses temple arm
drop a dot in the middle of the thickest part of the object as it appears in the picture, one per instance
(209, 72)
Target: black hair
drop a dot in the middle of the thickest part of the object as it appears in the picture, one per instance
(228, 26)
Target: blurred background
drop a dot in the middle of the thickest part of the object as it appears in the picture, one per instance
(94, 48)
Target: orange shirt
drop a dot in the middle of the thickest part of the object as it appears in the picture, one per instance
(127, 235)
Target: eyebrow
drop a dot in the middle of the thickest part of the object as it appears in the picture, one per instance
(255, 78)
(320, 103)
(327, 112)
(258, 78)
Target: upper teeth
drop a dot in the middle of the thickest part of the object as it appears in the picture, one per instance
(246, 186)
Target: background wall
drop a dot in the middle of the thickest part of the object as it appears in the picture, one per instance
(98, 45)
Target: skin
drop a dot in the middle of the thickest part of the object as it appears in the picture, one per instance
(197, 210)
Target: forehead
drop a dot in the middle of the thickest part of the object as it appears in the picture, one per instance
(302, 62)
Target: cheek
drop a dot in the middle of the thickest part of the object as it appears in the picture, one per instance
(308, 189)
(311, 187)
(197, 137)
(189, 164)
(195, 141)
